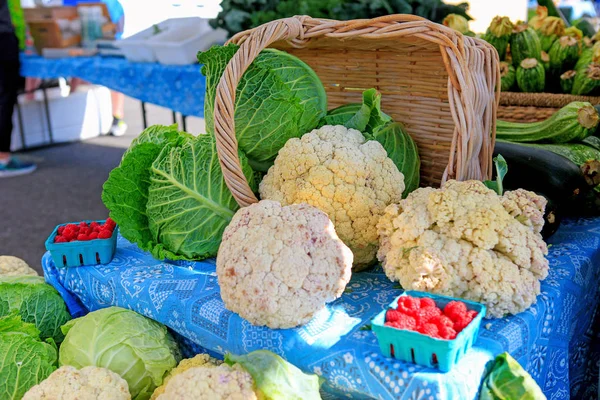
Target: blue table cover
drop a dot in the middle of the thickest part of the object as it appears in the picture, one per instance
(554, 340)
(179, 88)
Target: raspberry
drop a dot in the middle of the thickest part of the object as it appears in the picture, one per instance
(84, 231)
(442, 320)
(408, 305)
(93, 235)
(94, 224)
(447, 332)
(455, 309)
(69, 234)
(404, 322)
(427, 302)
(429, 330)
(471, 314)
(72, 226)
(83, 225)
(392, 315)
(461, 323)
(83, 238)
(424, 315)
(59, 239)
(109, 221)
(61, 229)
(104, 234)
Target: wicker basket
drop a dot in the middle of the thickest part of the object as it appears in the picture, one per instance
(443, 86)
(534, 107)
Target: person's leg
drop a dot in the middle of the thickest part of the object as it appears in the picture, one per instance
(10, 81)
(118, 104)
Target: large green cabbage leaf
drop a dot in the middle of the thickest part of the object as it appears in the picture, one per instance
(129, 344)
(36, 302)
(189, 204)
(25, 360)
(276, 378)
(377, 125)
(125, 193)
(508, 380)
(279, 97)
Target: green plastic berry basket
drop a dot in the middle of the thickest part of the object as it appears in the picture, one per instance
(425, 350)
(81, 253)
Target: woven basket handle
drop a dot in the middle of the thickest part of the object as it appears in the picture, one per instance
(224, 110)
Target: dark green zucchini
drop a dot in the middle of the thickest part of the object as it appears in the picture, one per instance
(592, 141)
(550, 30)
(545, 172)
(531, 76)
(587, 80)
(508, 76)
(566, 81)
(498, 34)
(586, 157)
(564, 54)
(586, 27)
(573, 122)
(524, 43)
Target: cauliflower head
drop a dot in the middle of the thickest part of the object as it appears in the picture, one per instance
(200, 360)
(211, 383)
(277, 266)
(464, 240)
(13, 266)
(89, 383)
(338, 171)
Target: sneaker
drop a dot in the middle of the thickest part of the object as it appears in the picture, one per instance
(14, 167)
(118, 128)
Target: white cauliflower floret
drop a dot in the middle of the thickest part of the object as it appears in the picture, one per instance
(200, 360)
(13, 266)
(464, 240)
(89, 383)
(206, 383)
(278, 266)
(338, 171)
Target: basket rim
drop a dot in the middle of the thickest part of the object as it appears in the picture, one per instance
(465, 160)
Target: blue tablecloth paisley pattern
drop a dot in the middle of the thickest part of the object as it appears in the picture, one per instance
(179, 88)
(554, 340)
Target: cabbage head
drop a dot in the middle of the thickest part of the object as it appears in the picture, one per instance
(508, 380)
(25, 360)
(129, 344)
(36, 302)
(275, 378)
(278, 98)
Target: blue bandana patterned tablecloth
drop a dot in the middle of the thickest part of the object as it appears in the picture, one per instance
(554, 340)
(179, 88)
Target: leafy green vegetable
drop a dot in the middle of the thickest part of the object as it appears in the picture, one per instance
(36, 303)
(508, 380)
(125, 193)
(276, 378)
(365, 117)
(376, 125)
(501, 171)
(189, 204)
(239, 15)
(402, 149)
(279, 97)
(25, 360)
(129, 344)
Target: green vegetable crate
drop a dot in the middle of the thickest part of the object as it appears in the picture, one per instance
(79, 253)
(421, 349)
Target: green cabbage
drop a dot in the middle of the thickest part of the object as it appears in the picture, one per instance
(276, 378)
(168, 194)
(508, 380)
(376, 125)
(279, 97)
(25, 360)
(125, 193)
(36, 302)
(129, 344)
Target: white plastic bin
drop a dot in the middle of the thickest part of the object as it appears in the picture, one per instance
(138, 47)
(180, 46)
